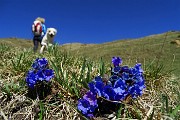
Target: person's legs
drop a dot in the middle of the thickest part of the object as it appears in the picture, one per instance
(36, 41)
(39, 40)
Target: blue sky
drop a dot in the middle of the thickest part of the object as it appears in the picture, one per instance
(90, 21)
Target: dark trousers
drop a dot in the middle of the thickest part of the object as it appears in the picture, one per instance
(36, 41)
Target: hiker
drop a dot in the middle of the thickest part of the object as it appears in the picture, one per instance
(39, 30)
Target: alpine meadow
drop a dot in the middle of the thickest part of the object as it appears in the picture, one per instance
(137, 79)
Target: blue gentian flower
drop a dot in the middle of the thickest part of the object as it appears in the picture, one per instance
(120, 89)
(40, 63)
(125, 76)
(124, 69)
(116, 61)
(113, 79)
(120, 83)
(39, 72)
(135, 91)
(40, 75)
(97, 78)
(120, 94)
(116, 70)
(124, 81)
(141, 84)
(35, 65)
(133, 71)
(43, 63)
(89, 96)
(90, 115)
(96, 87)
(108, 92)
(138, 67)
(87, 104)
(83, 106)
(31, 79)
(92, 88)
(49, 74)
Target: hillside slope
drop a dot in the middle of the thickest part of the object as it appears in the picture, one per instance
(154, 48)
(16, 42)
(147, 46)
(145, 50)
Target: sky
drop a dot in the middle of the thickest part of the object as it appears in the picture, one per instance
(90, 21)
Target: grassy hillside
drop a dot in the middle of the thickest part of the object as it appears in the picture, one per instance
(51, 85)
(150, 49)
(16, 42)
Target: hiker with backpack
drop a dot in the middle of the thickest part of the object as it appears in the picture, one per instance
(39, 30)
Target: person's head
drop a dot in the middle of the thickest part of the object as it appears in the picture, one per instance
(42, 20)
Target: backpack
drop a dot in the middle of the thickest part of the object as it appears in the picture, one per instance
(37, 28)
